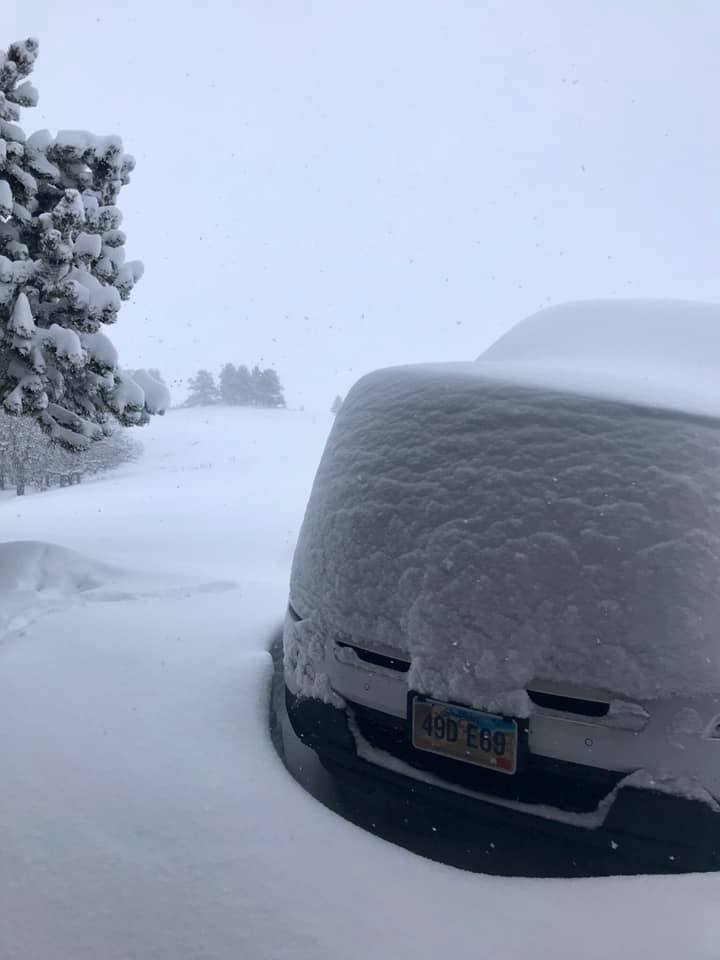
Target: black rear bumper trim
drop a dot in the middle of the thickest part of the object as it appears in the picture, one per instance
(650, 831)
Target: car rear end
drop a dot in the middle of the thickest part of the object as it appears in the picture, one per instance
(512, 592)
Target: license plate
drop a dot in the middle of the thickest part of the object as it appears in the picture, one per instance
(483, 739)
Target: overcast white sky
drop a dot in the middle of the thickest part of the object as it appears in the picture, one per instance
(330, 187)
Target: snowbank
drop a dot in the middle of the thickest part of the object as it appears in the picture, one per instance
(44, 567)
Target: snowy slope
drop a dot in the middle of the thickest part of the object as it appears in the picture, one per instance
(143, 812)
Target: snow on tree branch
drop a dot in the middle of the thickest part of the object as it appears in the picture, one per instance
(63, 271)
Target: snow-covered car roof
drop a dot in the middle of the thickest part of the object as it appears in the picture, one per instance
(657, 352)
(497, 530)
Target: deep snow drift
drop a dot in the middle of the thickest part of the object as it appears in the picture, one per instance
(35, 567)
(143, 811)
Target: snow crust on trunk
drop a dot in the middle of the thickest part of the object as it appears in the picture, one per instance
(496, 533)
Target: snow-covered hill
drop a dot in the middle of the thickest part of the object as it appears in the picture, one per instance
(143, 811)
(214, 488)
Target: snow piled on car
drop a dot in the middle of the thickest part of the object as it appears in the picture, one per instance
(497, 531)
(660, 353)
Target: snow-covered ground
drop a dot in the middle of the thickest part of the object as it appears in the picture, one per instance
(143, 811)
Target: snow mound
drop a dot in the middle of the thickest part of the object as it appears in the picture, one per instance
(34, 566)
(655, 352)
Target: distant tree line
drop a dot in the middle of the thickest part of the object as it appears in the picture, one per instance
(29, 458)
(236, 386)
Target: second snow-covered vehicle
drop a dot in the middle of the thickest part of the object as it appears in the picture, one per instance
(508, 576)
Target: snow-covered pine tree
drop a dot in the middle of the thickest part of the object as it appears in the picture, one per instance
(244, 386)
(202, 390)
(255, 387)
(148, 371)
(236, 386)
(336, 405)
(271, 391)
(157, 395)
(265, 388)
(229, 385)
(63, 273)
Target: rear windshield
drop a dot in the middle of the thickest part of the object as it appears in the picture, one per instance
(498, 534)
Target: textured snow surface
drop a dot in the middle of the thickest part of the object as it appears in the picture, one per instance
(6, 200)
(88, 245)
(496, 534)
(143, 812)
(21, 319)
(100, 348)
(65, 342)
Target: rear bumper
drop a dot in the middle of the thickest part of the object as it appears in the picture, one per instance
(668, 738)
(643, 830)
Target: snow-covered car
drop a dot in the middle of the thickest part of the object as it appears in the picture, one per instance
(508, 577)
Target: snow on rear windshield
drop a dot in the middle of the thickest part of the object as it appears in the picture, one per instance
(498, 533)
